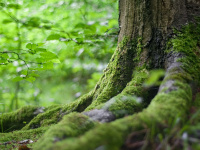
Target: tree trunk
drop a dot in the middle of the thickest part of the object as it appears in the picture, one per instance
(146, 41)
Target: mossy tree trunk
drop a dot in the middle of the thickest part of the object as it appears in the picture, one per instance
(121, 103)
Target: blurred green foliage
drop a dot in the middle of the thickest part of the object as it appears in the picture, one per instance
(53, 51)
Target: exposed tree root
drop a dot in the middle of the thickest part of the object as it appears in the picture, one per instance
(16, 120)
(120, 97)
(170, 102)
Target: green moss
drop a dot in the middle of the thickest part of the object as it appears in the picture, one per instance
(54, 114)
(106, 136)
(51, 116)
(168, 105)
(12, 138)
(130, 100)
(79, 105)
(139, 49)
(123, 43)
(112, 135)
(185, 77)
(118, 73)
(18, 119)
(51, 107)
(71, 125)
(127, 102)
(186, 42)
(124, 105)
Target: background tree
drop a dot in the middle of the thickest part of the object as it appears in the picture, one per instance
(83, 39)
(153, 35)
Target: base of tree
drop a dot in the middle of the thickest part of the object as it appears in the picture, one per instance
(122, 112)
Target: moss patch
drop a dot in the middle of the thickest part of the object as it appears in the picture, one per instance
(117, 74)
(130, 100)
(18, 119)
(12, 140)
(112, 135)
(71, 125)
(53, 114)
(187, 42)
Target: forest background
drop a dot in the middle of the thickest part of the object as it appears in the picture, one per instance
(49, 46)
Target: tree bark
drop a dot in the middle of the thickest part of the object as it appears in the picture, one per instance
(146, 41)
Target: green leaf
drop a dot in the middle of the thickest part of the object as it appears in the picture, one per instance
(14, 6)
(91, 28)
(33, 69)
(40, 60)
(86, 28)
(5, 56)
(30, 79)
(79, 40)
(55, 61)
(46, 27)
(74, 33)
(32, 51)
(6, 21)
(17, 79)
(48, 55)
(31, 46)
(40, 50)
(24, 72)
(40, 44)
(48, 65)
(34, 46)
(34, 75)
(53, 37)
(2, 4)
(80, 25)
(33, 22)
(154, 77)
(3, 61)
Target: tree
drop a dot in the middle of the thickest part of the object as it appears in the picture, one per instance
(154, 34)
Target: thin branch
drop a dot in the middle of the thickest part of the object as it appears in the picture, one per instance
(19, 58)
